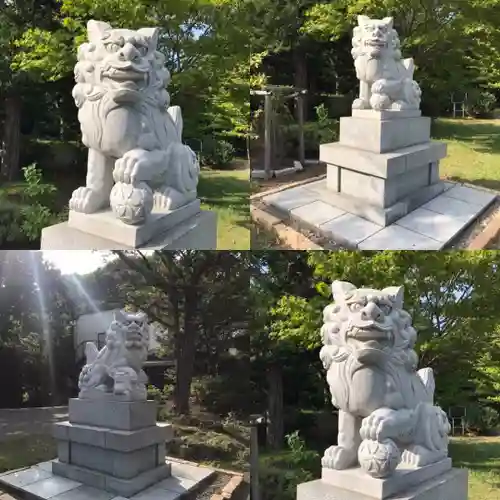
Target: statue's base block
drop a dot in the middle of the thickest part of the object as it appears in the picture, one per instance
(451, 485)
(197, 232)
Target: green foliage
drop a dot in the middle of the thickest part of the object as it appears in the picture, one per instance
(481, 103)
(280, 473)
(483, 420)
(161, 396)
(35, 195)
(216, 153)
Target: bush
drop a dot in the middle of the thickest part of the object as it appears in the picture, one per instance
(11, 221)
(279, 474)
(483, 420)
(481, 103)
(216, 152)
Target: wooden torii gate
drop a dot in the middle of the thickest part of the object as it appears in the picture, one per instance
(270, 91)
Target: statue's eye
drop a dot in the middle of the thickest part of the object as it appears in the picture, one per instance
(113, 47)
(357, 306)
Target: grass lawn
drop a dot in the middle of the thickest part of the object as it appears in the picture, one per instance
(481, 456)
(473, 150)
(227, 192)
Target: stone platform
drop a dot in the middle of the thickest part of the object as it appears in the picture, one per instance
(429, 227)
(197, 230)
(452, 485)
(112, 445)
(40, 482)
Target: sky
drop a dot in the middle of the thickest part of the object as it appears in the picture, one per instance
(76, 261)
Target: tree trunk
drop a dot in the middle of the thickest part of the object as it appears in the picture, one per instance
(300, 75)
(185, 355)
(9, 169)
(275, 408)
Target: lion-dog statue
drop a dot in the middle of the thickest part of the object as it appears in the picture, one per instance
(136, 158)
(386, 80)
(117, 368)
(387, 414)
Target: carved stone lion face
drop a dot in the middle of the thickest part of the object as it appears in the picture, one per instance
(375, 38)
(130, 329)
(368, 322)
(121, 59)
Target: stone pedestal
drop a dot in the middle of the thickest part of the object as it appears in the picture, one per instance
(384, 165)
(187, 227)
(433, 482)
(112, 445)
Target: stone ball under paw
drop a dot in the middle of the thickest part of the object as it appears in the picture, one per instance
(379, 459)
(379, 102)
(131, 204)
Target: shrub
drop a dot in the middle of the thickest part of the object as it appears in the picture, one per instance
(11, 220)
(279, 474)
(216, 152)
(482, 420)
(481, 103)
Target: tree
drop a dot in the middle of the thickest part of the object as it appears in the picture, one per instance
(452, 297)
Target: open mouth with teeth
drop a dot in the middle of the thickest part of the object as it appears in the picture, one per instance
(375, 43)
(127, 74)
(371, 337)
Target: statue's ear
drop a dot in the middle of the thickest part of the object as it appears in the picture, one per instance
(396, 293)
(389, 21)
(340, 289)
(96, 30)
(151, 35)
(363, 20)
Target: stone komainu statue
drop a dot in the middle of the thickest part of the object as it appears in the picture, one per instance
(386, 80)
(386, 409)
(136, 159)
(117, 368)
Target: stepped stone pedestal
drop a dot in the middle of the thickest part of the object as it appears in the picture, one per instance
(184, 227)
(112, 445)
(384, 164)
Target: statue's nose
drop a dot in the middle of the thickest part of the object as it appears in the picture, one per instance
(371, 312)
(128, 53)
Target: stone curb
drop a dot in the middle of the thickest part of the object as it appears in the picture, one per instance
(229, 489)
(293, 239)
(195, 464)
(258, 196)
(486, 236)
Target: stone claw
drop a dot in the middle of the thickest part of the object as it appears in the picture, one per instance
(86, 201)
(132, 167)
(360, 104)
(375, 427)
(336, 457)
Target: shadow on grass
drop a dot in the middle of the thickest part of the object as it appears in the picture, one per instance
(478, 454)
(485, 183)
(222, 190)
(481, 136)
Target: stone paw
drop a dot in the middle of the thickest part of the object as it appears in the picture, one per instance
(339, 458)
(86, 201)
(133, 167)
(400, 106)
(417, 456)
(378, 87)
(360, 104)
(377, 426)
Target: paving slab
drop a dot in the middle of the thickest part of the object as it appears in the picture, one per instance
(399, 238)
(40, 482)
(317, 213)
(429, 227)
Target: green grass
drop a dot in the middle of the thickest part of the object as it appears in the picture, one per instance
(16, 453)
(473, 150)
(481, 455)
(227, 192)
